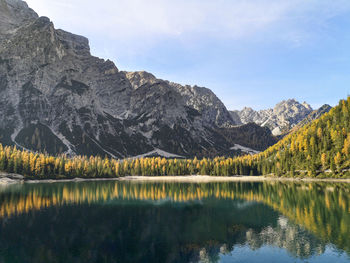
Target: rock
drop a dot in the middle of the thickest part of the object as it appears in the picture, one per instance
(6, 179)
(309, 118)
(284, 116)
(56, 97)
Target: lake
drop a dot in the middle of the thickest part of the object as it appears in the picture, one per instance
(133, 221)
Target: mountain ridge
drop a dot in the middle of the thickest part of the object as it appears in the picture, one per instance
(319, 148)
(281, 119)
(58, 98)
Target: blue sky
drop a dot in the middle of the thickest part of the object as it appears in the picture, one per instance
(249, 52)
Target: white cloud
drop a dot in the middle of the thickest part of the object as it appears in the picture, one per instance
(147, 19)
(127, 29)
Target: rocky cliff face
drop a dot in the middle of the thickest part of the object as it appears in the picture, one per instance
(309, 118)
(56, 97)
(14, 14)
(284, 116)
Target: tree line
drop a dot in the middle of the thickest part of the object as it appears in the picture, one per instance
(38, 165)
(321, 147)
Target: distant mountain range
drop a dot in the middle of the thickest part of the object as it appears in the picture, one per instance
(56, 97)
(282, 118)
(320, 147)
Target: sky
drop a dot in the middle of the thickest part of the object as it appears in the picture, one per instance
(251, 53)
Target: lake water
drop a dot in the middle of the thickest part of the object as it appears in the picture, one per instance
(111, 221)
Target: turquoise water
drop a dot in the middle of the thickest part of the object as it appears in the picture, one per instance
(175, 222)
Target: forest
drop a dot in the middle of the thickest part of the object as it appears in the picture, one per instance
(319, 149)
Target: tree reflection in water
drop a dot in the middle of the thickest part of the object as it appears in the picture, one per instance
(170, 222)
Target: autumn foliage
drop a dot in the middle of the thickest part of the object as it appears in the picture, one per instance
(321, 147)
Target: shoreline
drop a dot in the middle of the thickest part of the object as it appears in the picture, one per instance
(13, 179)
(236, 178)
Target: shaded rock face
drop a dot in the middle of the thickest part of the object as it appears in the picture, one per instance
(58, 98)
(284, 116)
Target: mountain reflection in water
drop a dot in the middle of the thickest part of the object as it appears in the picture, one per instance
(173, 222)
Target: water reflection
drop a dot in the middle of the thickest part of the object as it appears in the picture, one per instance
(289, 236)
(170, 222)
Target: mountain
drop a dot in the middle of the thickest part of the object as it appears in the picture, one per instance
(311, 117)
(56, 97)
(284, 116)
(319, 147)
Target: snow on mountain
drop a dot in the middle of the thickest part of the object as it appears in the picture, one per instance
(284, 116)
(58, 98)
(158, 152)
(244, 149)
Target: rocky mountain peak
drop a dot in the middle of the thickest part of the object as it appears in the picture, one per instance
(247, 115)
(139, 78)
(315, 114)
(206, 103)
(307, 106)
(291, 106)
(14, 13)
(247, 110)
(285, 115)
(58, 98)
